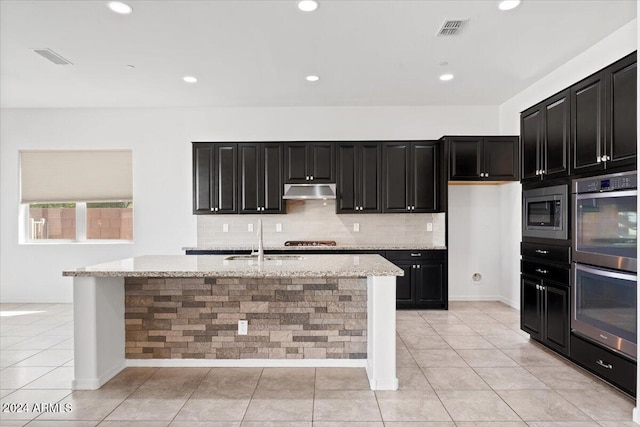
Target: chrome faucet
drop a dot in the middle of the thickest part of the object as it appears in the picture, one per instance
(260, 244)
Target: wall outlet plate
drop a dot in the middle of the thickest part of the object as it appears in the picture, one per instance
(225, 228)
(429, 226)
(356, 227)
(278, 228)
(249, 227)
(243, 327)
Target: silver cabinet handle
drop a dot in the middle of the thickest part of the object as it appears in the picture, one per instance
(416, 254)
(215, 209)
(408, 208)
(418, 266)
(541, 271)
(598, 159)
(540, 251)
(413, 266)
(603, 364)
(607, 158)
(537, 172)
(311, 177)
(307, 178)
(413, 208)
(538, 287)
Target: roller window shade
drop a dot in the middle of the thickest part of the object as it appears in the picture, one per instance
(75, 176)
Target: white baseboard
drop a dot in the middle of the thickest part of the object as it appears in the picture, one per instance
(247, 363)
(474, 298)
(36, 301)
(96, 383)
(510, 303)
(636, 415)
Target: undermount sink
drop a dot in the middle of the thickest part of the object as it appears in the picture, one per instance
(266, 257)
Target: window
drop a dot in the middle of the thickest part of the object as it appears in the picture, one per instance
(76, 195)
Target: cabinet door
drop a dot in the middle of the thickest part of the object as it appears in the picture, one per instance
(225, 178)
(556, 130)
(369, 177)
(396, 177)
(429, 282)
(404, 290)
(424, 177)
(556, 317)
(320, 162)
(203, 178)
(250, 182)
(530, 307)
(295, 163)
(465, 154)
(271, 177)
(500, 155)
(347, 160)
(587, 124)
(622, 112)
(530, 138)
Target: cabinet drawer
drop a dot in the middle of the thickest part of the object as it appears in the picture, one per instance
(610, 366)
(416, 255)
(548, 252)
(545, 271)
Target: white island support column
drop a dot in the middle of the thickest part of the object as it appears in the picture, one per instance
(98, 329)
(381, 332)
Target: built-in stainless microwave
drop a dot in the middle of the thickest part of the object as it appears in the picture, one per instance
(545, 212)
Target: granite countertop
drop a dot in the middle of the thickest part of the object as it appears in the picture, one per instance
(217, 266)
(390, 247)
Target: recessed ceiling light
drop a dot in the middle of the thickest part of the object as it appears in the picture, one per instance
(446, 77)
(119, 7)
(312, 78)
(508, 4)
(307, 5)
(189, 79)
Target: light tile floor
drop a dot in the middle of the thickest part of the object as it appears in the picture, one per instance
(469, 366)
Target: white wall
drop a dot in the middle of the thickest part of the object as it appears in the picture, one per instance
(608, 50)
(160, 139)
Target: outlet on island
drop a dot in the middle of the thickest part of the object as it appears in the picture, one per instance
(243, 327)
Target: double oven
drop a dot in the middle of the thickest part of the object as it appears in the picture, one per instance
(604, 268)
(597, 217)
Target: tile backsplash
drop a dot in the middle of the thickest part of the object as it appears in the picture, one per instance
(317, 220)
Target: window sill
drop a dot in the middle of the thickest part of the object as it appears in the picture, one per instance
(74, 242)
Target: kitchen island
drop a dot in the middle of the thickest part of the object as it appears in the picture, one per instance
(310, 310)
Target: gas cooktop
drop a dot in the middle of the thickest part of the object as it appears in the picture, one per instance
(310, 243)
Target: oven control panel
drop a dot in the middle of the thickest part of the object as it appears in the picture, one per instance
(616, 182)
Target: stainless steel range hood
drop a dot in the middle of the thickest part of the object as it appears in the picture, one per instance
(309, 191)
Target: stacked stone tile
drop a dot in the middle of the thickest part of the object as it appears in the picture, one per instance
(195, 318)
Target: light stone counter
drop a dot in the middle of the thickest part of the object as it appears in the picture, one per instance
(315, 291)
(217, 266)
(317, 248)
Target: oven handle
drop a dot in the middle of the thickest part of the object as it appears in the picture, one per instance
(606, 273)
(606, 194)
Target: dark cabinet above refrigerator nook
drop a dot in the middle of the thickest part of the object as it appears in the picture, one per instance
(483, 158)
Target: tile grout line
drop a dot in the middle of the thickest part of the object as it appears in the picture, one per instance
(244, 414)
(189, 398)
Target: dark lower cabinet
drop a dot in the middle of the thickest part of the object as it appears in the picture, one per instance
(545, 304)
(424, 284)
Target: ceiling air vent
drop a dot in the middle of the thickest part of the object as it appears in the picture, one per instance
(52, 56)
(452, 27)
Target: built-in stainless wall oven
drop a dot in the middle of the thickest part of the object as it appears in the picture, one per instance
(545, 212)
(604, 242)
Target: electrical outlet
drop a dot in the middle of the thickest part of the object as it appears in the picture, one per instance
(250, 227)
(278, 228)
(225, 228)
(429, 226)
(356, 227)
(243, 327)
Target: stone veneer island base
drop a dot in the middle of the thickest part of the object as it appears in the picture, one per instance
(321, 311)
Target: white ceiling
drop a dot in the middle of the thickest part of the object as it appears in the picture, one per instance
(256, 53)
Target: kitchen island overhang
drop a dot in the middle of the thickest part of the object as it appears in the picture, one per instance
(178, 311)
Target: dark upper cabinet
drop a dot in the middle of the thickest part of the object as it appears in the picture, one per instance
(545, 130)
(214, 178)
(358, 177)
(306, 162)
(260, 183)
(411, 176)
(478, 158)
(603, 118)
(621, 135)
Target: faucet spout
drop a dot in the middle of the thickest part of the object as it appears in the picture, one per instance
(260, 243)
